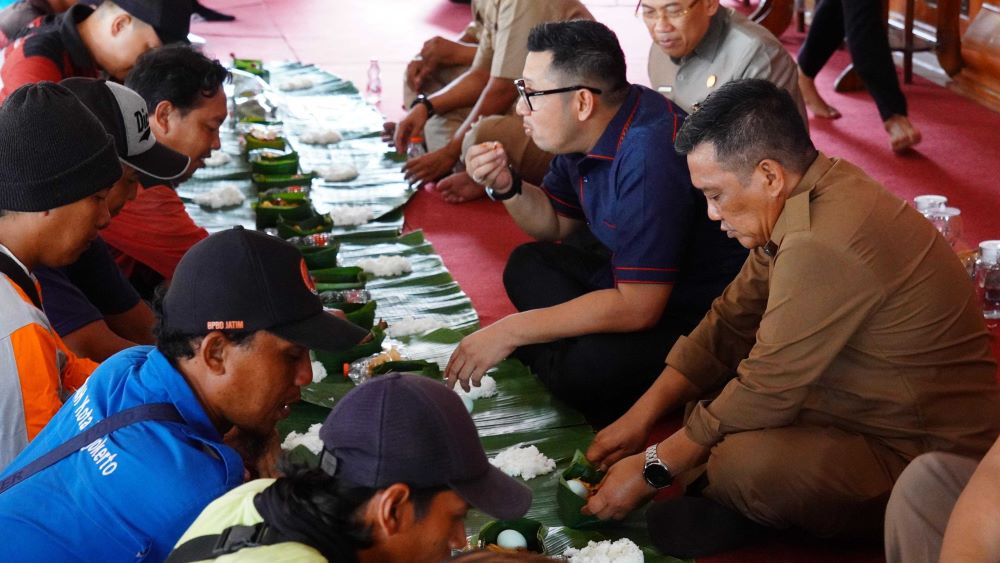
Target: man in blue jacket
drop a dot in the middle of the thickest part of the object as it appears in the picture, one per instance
(233, 337)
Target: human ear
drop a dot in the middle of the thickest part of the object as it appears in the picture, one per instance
(120, 22)
(774, 176)
(161, 118)
(212, 352)
(711, 6)
(390, 508)
(585, 104)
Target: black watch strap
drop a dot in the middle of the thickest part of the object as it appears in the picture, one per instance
(426, 102)
(515, 187)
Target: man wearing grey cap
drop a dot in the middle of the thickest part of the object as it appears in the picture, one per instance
(401, 464)
(139, 450)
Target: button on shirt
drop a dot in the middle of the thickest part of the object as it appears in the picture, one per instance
(127, 496)
(732, 48)
(863, 319)
(635, 193)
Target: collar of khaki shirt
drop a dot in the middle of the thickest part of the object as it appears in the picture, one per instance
(795, 215)
(709, 45)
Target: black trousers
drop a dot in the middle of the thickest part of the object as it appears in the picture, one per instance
(860, 21)
(601, 375)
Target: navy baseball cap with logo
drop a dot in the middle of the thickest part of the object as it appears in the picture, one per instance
(240, 280)
(399, 428)
(170, 18)
(123, 113)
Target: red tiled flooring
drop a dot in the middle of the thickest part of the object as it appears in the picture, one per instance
(959, 156)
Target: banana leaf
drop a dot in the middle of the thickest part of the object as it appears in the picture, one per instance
(319, 257)
(253, 142)
(253, 66)
(270, 164)
(321, 287)
(568, 502)
(267, 181)
(341, 274)
(533, 531)
(268, 211)
(310, 226)
(334, 361)
(361, 314)
(419, 367)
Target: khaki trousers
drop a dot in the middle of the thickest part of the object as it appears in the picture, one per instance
(920, 505)
(827, 481)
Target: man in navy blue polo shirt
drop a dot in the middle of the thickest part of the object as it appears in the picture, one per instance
(233, 339)
(639, 263)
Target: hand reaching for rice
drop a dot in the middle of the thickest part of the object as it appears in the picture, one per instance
(477, 353)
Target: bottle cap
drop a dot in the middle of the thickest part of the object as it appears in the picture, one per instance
(989, 250)
(929, 201)
(416, 139)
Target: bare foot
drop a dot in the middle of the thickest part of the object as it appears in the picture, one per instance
(816, 104)
(902, 134)
(459, 188)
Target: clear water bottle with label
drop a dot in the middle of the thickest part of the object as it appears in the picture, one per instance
(988, 281)
(415, 148)
(373, 91)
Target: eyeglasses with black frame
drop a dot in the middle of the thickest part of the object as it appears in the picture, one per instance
(526, 95)
(673, 13)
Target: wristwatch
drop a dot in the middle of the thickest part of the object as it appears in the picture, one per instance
(423, 99)
(656, 473)
(515, 187)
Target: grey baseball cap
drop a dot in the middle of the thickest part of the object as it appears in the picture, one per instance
(399, 428)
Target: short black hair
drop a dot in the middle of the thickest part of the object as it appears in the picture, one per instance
(178, 74)
(329, 505)
(584, 50)
(747, 121)
(176, 345)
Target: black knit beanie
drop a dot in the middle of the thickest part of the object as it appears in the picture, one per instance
(53, 151)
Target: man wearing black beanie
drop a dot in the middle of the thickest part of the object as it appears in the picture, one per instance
(59, 164)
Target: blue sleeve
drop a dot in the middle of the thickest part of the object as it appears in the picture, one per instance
(99, 278)
(67, 308)
(558, 184)
(654, 213)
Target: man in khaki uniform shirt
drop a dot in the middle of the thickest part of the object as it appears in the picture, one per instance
(488, 89)
(698, 46)
(850, 343)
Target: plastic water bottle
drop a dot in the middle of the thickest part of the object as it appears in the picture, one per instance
(373, 91)
(988, 281)
(415, 148)
(929, 202)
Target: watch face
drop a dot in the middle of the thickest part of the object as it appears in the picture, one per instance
(657, 475)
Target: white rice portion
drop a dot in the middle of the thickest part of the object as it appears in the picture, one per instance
(223, 196)
(218, 158)
(487, 388)
(620, 551)
(338, 172)
(296, 84)
(319, 372)
(264, 132)
(525, 462)
(322, 136)
(411, 325)
(310, 439)
(385, 266)
(347, 215)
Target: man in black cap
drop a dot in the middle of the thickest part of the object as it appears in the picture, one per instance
(401, 464)
(53, 189)
(84, 41)
(138, 451)
(90, 303)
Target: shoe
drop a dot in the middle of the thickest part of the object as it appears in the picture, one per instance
(211, 15)
(688, 527)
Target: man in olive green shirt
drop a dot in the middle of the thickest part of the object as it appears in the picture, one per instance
(488, 88)
(698, 46)
(850, 343)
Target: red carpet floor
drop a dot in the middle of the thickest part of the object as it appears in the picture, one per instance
(959, 157)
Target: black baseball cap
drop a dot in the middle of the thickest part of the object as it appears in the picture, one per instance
(170, 18)
(124, 115)
(240, 280)
(399, 428)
